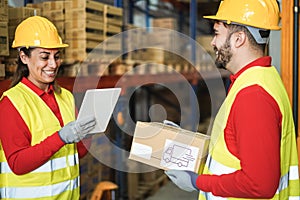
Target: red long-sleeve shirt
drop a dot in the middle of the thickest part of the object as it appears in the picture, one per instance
(16, 138)
(252, 134)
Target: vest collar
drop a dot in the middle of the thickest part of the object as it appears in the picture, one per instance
(34, 88)
(262, 62)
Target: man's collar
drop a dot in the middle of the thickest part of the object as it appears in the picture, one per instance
(262, 62)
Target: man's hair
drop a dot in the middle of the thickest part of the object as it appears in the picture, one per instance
(233, 28)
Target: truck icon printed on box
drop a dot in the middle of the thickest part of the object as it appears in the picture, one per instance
(179, 155)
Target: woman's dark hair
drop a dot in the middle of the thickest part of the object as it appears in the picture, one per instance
(23, 71)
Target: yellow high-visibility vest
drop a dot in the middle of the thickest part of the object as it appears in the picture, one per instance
(221, 161)
(58, 178)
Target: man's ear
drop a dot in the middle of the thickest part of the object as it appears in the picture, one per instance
(23, 57)
(240, 38)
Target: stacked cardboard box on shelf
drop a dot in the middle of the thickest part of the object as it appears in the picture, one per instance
(4, 49)
(15, 16)
(3, 10)
(84, 28)
(134, 40)
(114, 20)
(55, 12)
(4, 46)
(160, 42)
(87, 25)
(167, 23)
(83, 24)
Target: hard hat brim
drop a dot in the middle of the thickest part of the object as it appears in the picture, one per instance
(214, 17)
(45, 46)
(211, 17)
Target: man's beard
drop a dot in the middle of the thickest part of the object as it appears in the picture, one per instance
(224, 55)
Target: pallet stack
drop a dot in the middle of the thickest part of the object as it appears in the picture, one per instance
(83, 24)
(84, 28)
(158, 43)
(15, 16)
(4, 49)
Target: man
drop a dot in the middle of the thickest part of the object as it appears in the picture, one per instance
(253, 151)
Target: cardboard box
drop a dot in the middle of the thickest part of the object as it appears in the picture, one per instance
(78, 13)
(73, 55)
(4, 10)
(82, 13)
(94, 6)
(169, 23)
(4, 48)
(22, 12)
(168, 147)
(60, 26)
(84, 23)
(35, 5)
(75, 4)
(78, 33)
(75, 24)
(53, 5)
(54, 15)
(2, 70)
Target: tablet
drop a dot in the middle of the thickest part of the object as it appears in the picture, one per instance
(100, 103)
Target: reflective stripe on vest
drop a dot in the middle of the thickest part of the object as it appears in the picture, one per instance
(221, 161)
(218, 169)
(54, 164)
(39, 191)
(63, 167)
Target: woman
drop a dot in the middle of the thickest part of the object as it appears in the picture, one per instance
(40, 141)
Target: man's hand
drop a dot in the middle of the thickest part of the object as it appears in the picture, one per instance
(185, 180)
(170, 123)
(77, 130)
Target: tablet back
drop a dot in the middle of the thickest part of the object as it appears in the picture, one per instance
(100, 103)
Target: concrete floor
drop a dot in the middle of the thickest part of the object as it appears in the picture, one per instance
(171, 191)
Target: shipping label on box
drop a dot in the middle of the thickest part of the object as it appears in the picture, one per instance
(167, 147)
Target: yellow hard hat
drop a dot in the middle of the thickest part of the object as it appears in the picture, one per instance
(37, 31)
(262, 14)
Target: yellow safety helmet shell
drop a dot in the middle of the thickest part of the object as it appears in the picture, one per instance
(262, 14)
(37, 31)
